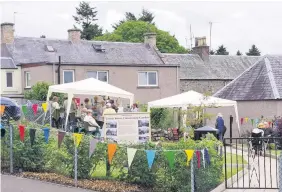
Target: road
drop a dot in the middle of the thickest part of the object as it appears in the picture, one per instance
(17, 184)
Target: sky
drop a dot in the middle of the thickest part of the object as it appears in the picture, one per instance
(236, 25)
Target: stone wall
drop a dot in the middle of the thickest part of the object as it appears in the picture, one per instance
(202, 86)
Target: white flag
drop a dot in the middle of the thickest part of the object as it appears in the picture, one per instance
(130, 155)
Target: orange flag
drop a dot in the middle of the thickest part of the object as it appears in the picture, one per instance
(112, 147)
(2, 109)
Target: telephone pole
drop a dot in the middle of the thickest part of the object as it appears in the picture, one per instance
(210, 33)
(191, 38)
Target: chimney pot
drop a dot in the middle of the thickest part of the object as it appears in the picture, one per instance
(7, 33)
(201, 48)
(151, 39)
(74, 35)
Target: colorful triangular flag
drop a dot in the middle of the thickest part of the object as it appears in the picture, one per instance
(150, 157)
(246, 119)
(34, 108)
(189, 154)
(252, 120)
(170, 157)
(130, 155)
(32, 135)
(24, 108)
(92, 146)
(242, 120)
(61, 135)
(44, 106)
(198, 154)
(112, 147)
(21, 130)
(46, 132)
(207, 156)
(203, 156)
(2, 109)
(77, 137)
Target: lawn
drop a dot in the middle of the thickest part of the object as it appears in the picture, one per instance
(234, 158)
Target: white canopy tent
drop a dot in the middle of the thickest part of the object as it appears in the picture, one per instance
(89, 86)
(193, 98)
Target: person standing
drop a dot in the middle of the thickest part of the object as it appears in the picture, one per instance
(134, 108)
(100, 111)
(220, 126)
(56, 112)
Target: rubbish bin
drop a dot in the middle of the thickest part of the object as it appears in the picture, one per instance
(202, 131)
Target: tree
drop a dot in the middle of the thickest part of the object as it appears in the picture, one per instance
(39, 92)
(133, 31)
(238, 53)
(42, 36)
(212, 52)
(146, 16)
(86, 16)
(254, 51)
(221, 51)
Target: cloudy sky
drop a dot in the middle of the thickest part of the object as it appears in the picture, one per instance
(237, 25)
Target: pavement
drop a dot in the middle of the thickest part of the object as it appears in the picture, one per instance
(17, 184)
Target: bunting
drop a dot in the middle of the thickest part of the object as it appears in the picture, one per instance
(34, 108)
(130, 155)
(61, 135)
(242, 121)
(77, 137)
(21, 130)
(252, 120)
(207, 156)
(189, 154)
(112, 147)
(32, 136)
(92, 146)
(203, 156)
(150, 157)
(198, 154)
(170, 157)
(44, 107)
(24, 109)
(2, 109)
(46, 134)
(246, 119)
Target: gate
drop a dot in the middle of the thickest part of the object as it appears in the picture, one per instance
(252, 163)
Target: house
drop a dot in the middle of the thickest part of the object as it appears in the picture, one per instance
(134, 67)
(207, 73)
(258, 90)
(10, 78)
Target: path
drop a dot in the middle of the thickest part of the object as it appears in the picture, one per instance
(262, 173)
(17, 184)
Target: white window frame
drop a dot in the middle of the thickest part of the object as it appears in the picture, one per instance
(69, 70)
(97, 71)
(157, 79)
(12, 79)
(26, 79)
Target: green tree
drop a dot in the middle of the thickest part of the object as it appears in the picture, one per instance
(86, 16)
(254, 51)
(146, 16)
(238, 53)
(39, 92)
(221, 51)
(212, 52)
(133, 31)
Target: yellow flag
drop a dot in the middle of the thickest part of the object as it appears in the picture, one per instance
(2, 109)
(246, 119)
(44, 106)
(77, 137)
(189, 154)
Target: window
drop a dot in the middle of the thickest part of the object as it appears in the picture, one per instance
(147, 78)
(9, 79)
(27, 79)
(68, 76)
(100, 75)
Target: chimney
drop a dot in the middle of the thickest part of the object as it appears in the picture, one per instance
(151, 39)
(7, 33)
(201, 48)
(74, 35)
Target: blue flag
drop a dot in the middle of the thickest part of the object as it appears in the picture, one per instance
(150, 157)
(46, 134)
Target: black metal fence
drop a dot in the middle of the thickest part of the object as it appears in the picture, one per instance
(255, 162)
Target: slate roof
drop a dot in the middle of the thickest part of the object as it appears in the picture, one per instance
(7, 63)
(218, 67)
(33, 50)
(262, 81)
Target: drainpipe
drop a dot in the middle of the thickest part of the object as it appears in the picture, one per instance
(59, 70)
(178, 81)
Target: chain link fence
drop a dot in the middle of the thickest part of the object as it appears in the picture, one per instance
(280, 173)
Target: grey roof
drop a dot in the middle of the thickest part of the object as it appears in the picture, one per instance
(7, 63)
(33, 50)
(218, 66)
(262, 81)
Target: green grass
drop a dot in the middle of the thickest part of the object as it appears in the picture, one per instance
(234, 171)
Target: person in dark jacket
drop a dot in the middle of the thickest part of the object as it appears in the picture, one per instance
(220, 126)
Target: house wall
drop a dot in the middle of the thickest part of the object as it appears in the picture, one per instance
(250, 109)
(202, 86)
(17, 88)
(123, 77)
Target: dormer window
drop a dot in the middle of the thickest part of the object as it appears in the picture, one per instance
(49, 48)
(98, 48)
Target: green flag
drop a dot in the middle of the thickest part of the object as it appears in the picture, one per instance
(24, 108)
(170, 157)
